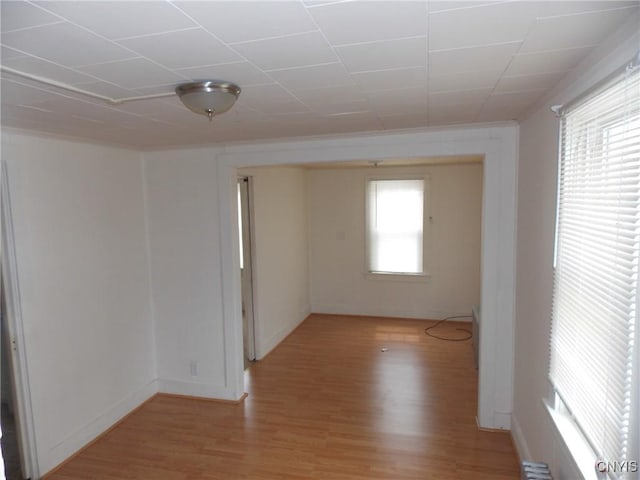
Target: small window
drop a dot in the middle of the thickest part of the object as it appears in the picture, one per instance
(395, 226)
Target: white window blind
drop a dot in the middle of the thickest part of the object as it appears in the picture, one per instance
(395, 225)
(595, 293)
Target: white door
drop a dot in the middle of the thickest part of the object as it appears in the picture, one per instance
(246, 270)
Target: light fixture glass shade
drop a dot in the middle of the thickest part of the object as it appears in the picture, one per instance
(208, 98)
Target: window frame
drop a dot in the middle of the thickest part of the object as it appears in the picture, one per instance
(579, 446)
(422, 276)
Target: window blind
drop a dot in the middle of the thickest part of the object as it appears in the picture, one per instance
(395, 225)
(595, 292)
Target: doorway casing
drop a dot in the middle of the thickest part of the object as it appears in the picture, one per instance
(499, 147)
(245, 219)
(18, 359)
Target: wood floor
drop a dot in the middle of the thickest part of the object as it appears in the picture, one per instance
(328, 403)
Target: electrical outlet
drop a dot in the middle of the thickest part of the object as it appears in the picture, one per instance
(193, 367)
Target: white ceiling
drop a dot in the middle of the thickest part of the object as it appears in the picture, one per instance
(309, 67)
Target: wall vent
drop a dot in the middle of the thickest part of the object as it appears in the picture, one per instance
(535, 471)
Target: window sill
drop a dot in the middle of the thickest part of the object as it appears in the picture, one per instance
(398, 277)
(575, 444)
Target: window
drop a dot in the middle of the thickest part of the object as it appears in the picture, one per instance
(594, 335)
(395, 225)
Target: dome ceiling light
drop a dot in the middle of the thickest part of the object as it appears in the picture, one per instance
(209, 98)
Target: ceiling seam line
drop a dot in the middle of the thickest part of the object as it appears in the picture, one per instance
(71, 88)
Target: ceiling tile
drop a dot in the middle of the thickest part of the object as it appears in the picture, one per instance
(487, 58)
(241, 73)
(292, 117)
(318, 3)
(7, 53)
(442, 5)
(168, 86)
(234, 21)
(265, 130)
(84, 110)
(546, 62)
(393, 122)
(16, 92)
(282, 108)
(16, 15)
(466, 81)
(508, 106)
(355, 121)
(41, 121)
(42, 68)
(516, 99)
(121, 19)
(65, 44)
(354, 22)
(182, 49)
(337, 94)
(406, 52)
(21, 90)
(313, 77)
(18, 117)
(153, 107)
(519, 83)
(264, 97)
(106, 89)
(333, 108)
(395, 102)
(471, 98)
(481, 25)
(134, 73)
(570, 7)
(452, 115)
(392, 79)
(286, 52)
(571, 31)
(246, 114)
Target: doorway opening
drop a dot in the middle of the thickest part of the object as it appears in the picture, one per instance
(245, 235)
(11, 454)
(498, 147)
(18, 442)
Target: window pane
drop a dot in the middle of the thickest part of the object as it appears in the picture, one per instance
(395, 225)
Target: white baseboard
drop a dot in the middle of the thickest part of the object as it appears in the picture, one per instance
(78, 439)
(502, 420)
(522, 448)
(263, 348)
(195, 389)
(396, 312)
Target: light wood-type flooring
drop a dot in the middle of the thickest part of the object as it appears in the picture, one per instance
(328, 403)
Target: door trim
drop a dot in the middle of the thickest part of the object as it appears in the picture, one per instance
(247, 279)
(20, 373)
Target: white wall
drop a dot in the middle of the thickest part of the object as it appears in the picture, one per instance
(79, 229)
(452, 256)
(533, 431)
(84, 263)
(184, 243)
(85, 260)
(281, 268)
